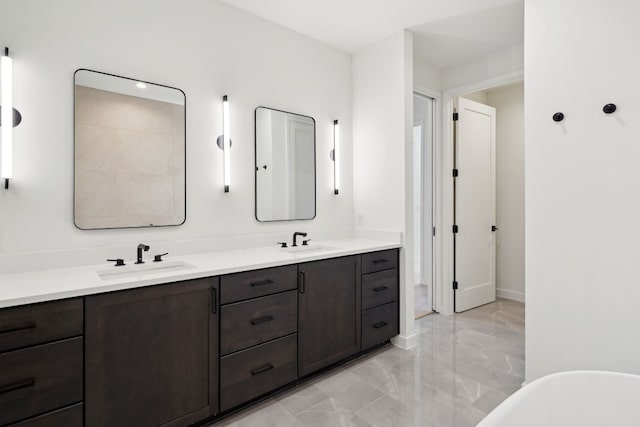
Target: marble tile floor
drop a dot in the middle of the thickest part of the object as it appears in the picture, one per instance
(463, 366)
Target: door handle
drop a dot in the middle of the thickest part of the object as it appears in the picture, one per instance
(494, 228)
(301, 284)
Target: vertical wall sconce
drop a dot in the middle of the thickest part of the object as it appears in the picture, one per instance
(9, 117)
(224, 142)
(335, 156)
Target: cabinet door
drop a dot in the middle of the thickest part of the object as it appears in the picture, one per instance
(329, 312)
(151, 355)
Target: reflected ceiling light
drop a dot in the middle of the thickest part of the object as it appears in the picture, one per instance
(224, 143)
(335, 156)
(9, 117)
(141, 85)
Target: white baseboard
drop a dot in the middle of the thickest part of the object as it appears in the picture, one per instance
(508, 294)
(405, 343)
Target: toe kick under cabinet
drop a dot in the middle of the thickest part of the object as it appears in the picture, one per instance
(188, 352)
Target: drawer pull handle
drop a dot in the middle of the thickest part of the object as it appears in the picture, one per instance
(18, 328)
(262, 320)
(379, 261)
(380, 288)
(17, 386)
(262, 283)
(262, 369)
(380, 325)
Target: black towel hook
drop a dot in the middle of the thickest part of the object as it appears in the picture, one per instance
(609, 108)
(558, 117)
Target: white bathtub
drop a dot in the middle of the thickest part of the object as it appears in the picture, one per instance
(574, 398)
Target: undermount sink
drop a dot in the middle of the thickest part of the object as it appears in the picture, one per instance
(143, 269)
(309, 248)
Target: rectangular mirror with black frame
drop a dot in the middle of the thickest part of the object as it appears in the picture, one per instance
(129, 153)
(285, 165)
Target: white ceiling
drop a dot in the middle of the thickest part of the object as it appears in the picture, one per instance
(462, 38)
(447, 31)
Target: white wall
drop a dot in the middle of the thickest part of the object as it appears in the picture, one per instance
(206, 49)
(426, 76)
(479, 96)
(501, 62)
(582, 202)
(382, 141)
(509, 105)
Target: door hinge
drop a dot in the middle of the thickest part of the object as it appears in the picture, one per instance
(455, 173)
(455, 285)
(455, 228)
(455, 117)
(434, 231)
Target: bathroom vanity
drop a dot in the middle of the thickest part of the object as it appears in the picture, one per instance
(193, 345)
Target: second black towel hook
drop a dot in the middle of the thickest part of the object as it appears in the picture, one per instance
(558, 117)
(609, 108)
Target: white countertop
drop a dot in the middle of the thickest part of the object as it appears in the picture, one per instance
(47, 285)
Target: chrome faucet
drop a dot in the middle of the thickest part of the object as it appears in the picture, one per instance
(141, 247)
(295, 236)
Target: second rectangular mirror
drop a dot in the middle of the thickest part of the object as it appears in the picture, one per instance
(285, 166)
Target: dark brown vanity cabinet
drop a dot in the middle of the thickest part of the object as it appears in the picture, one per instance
(258, 333)
(177, 354)
(380, 315)
(41, 365)
(151, 355)
(329, 304)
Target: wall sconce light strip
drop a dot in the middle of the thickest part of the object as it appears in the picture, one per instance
(336, 157)
(226, 138)
(6, 67)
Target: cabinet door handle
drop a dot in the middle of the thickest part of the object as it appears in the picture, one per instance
(380, 288)
(214, 300)
(379, 261)
(261, 320)
(262, 283)
(17, 328)
(17, 386)
(301, 285)
(379, 325)
(262, 369)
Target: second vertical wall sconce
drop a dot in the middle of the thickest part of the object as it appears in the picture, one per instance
(9, 117)
(224, 142)
(335, 156)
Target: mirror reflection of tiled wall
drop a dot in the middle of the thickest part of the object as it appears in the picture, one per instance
(129, 161)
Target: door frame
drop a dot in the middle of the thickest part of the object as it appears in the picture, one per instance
(443, 285)
(436, 189)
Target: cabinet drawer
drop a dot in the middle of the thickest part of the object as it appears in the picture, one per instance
(67, 417)
(251, 284)
(39, 323)
(379, 324)
(379, 288)
(378, 261)
(256, 371)
(245, 324)
(39, 379)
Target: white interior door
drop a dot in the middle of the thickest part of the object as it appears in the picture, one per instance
(475, 205)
